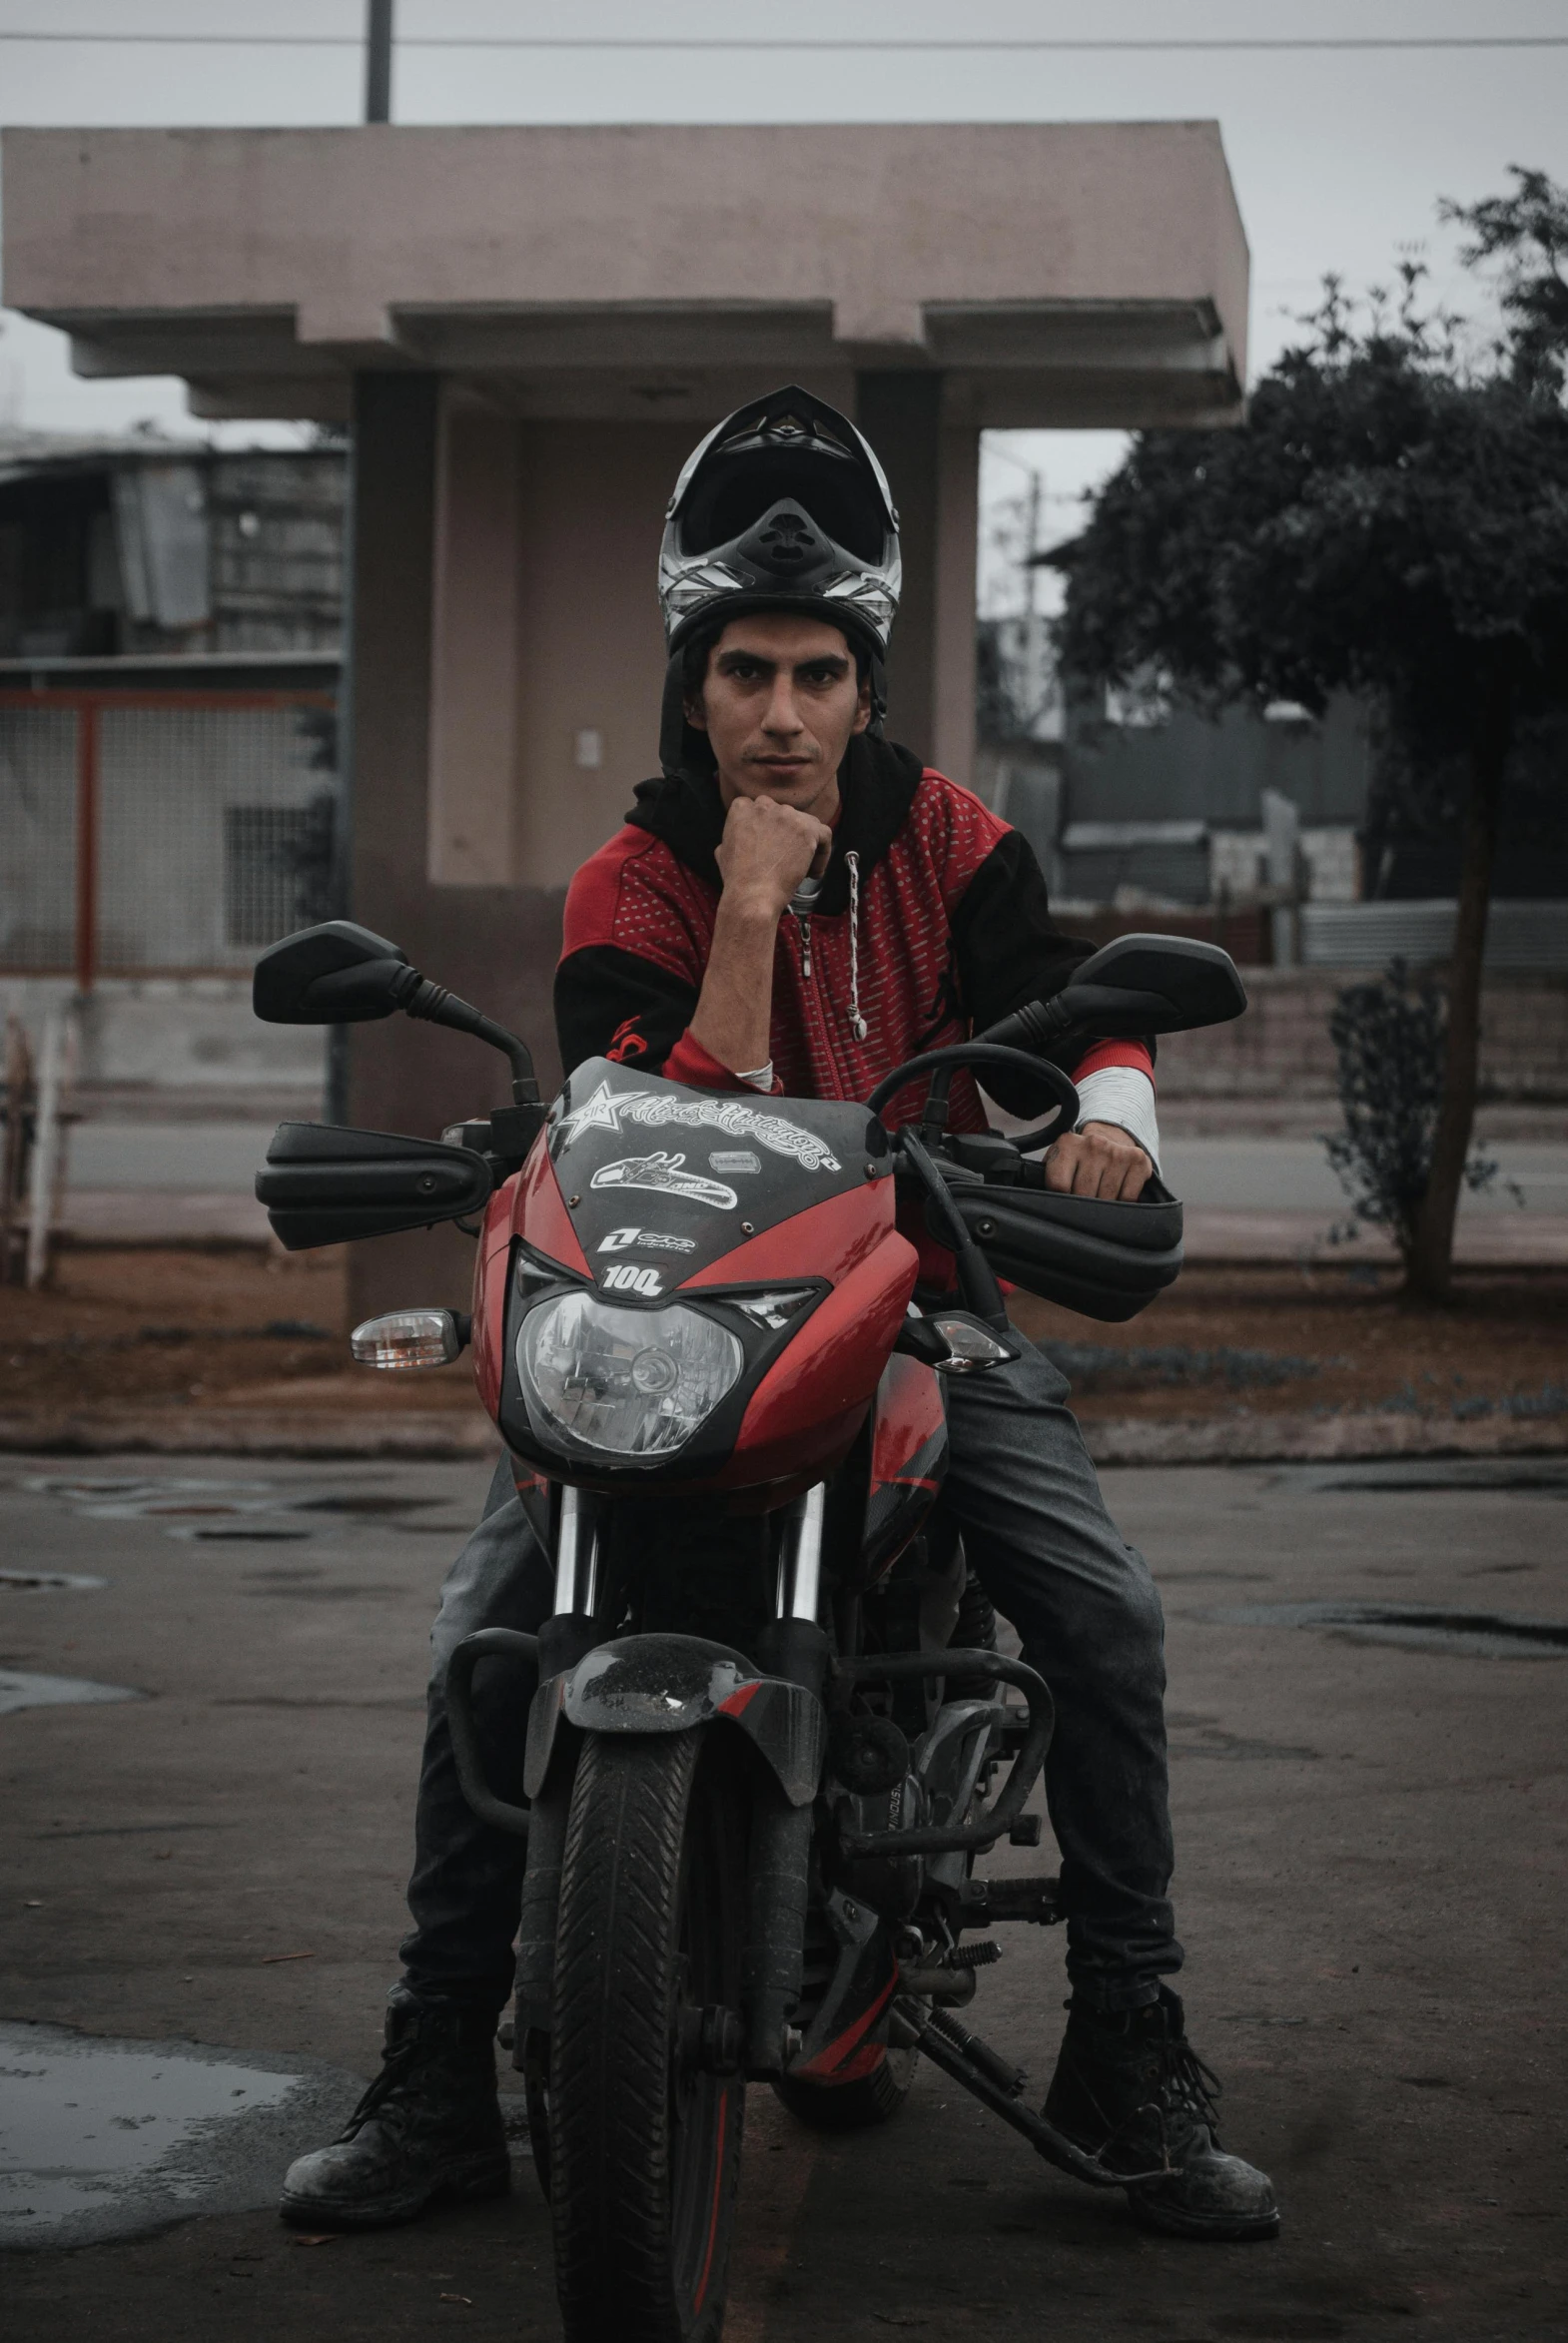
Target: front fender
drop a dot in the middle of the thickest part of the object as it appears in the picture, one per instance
(672, 1684)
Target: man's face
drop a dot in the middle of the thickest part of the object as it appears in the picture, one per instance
(780, 704)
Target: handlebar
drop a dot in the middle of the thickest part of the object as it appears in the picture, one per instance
(986, 1053)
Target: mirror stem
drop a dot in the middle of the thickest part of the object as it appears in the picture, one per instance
(1030, 1028)
(435, 1006)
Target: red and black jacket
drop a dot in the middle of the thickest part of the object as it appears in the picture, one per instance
(954, 931)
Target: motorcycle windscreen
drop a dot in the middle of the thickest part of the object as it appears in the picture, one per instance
(663, 1180)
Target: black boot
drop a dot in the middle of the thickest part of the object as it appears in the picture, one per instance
(430, 2126)
(1130, 2088)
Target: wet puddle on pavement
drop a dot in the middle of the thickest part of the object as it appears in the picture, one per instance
(1486, 1635)
(48, 1582)
(204, 1510)
(19, 1690)
(102, 2138)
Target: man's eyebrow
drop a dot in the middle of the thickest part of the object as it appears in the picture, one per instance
(736, 656)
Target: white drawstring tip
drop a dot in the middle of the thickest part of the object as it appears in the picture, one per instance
(859, 1028)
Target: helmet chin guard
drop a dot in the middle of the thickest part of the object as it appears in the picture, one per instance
(783, 507)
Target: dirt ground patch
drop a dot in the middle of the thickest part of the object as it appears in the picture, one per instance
(153, 1329)
(1286, 1341)
(148, 1329)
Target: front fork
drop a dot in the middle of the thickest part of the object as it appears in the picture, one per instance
(792, 1646)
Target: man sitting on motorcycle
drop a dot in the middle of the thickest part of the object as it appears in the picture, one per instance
(795, 906)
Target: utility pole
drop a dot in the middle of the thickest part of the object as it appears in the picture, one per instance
(378, 60)
(1030, 573)
(378, 108)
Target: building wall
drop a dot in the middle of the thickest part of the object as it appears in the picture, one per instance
(588, 648)
(1216, 771)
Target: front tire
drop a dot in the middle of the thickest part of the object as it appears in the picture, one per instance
(645, 2141)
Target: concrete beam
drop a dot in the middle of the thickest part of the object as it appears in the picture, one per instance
(883, 245)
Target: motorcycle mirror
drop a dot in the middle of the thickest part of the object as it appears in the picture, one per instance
(1152, 985)
(334, 973)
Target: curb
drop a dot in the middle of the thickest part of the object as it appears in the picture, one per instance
(433, 1436)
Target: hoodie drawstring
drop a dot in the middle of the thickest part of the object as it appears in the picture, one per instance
(857, 1023)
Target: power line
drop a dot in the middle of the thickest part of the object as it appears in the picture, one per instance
(770, 43)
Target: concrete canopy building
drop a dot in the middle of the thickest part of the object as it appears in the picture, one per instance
(528, 327)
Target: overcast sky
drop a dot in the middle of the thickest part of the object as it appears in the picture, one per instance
(1339, 156)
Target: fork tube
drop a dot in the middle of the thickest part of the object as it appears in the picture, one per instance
(577, 1555)
(794, 1647)
(800, 1560)
(570, 1631)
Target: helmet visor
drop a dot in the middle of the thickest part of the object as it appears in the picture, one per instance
(742, 482)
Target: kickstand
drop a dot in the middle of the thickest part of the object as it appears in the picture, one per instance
(966, 2059)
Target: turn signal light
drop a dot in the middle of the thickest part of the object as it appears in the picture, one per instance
(971, 1347)
(409, 1338)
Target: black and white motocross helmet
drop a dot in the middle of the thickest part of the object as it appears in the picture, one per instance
(783, 507)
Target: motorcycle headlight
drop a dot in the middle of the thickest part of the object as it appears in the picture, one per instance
(630, 1382)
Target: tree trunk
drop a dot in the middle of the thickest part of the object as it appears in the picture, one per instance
(1430, 1265)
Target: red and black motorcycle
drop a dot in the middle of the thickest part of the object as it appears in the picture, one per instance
(771, 1730)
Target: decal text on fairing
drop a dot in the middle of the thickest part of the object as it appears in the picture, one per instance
(626, 1277)
(645, 1240)
(662, 1173)
(608, 1109)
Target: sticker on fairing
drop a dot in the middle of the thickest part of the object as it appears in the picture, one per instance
(609, 1109)
(734, 1159)
(645, 1240)
(662, 1173)
(628, 1277)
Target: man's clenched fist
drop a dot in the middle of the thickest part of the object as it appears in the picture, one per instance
(766, 850)
(1100, 1160)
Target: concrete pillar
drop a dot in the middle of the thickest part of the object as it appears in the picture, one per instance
(933, 469)
(507, 671)
(489, 939)
(473, 661)
(900, 415)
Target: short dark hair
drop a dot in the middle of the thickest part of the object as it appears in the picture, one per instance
(695, 652)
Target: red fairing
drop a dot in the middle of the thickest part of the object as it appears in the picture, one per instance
(825, 1240)
(910, 1415)
(490, 1295)
(539, 1211)
(909, 1458)
(804, 1415)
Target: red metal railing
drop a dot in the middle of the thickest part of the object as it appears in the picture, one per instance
(88, 704)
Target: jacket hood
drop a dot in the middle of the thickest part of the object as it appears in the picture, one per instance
(877, 784)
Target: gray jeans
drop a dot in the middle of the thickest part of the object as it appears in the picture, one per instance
(1023, 1493)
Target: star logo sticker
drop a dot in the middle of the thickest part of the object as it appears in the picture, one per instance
(601, 1113)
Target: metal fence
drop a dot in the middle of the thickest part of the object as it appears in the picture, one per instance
(160, 832)
(1532, 936)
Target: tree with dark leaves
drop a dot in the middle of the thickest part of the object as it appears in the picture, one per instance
(1390, 521)
(1389, 1040)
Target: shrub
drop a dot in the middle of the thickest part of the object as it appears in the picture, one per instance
(1390, 1042)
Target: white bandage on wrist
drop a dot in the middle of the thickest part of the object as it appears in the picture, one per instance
(760, 1078)
(1124, 1095)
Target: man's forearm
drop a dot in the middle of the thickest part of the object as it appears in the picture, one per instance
(734, 1012)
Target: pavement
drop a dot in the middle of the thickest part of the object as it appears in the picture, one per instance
(1370, 1889)
(1248, 1196)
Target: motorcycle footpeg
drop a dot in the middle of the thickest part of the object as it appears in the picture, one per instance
(985, 1903)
